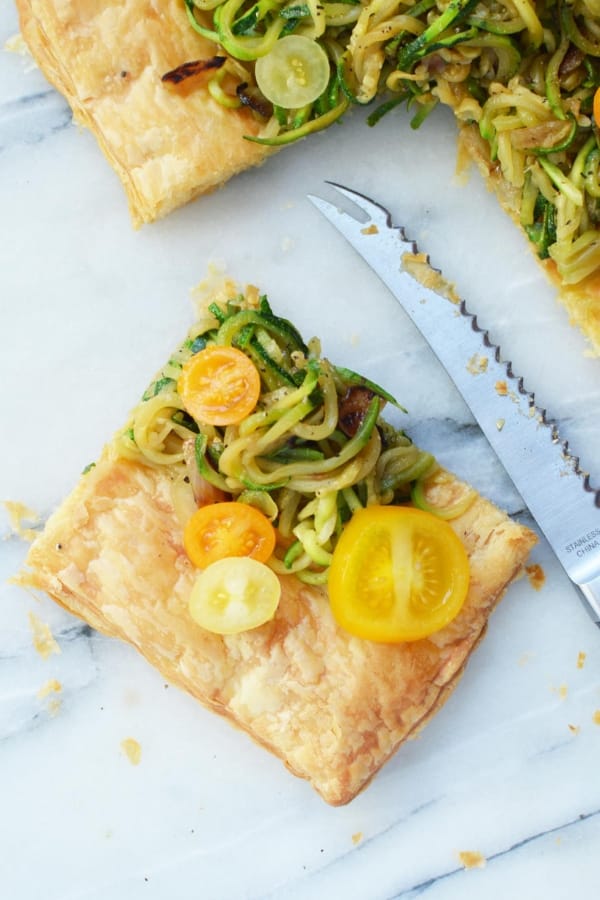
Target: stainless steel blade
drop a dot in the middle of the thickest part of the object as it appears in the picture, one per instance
(543, 469)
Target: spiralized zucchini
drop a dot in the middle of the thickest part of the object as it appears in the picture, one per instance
(524, 71)
(314, 450)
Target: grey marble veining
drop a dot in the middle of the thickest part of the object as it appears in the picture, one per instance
(90, 309)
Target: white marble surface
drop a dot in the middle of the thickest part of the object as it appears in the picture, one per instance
(90, 309)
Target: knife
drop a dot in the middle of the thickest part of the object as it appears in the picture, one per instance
(544, 470)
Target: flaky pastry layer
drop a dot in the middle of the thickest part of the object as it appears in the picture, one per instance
(332, 706)
(167, 145)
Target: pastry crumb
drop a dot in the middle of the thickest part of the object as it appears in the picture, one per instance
(54, 703)
(500, 423)
(501, 388)
(132, 750)
(575, 729)
(472, 859)
(18, 515)
(477, 364)
(50, 687)
(357, 837)
(596, 717)
(581, 659)
(16, 44)
(43, 639)
(54, 706)
(562, 691)
(536, 576)
(370, 229)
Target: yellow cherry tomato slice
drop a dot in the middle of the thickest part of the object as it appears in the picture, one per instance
(294, 73)
(219, 385)
(222, 530)
(234, 595)
(398, 574)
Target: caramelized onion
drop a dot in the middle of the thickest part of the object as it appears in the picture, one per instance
(204, 491)
(194, 67)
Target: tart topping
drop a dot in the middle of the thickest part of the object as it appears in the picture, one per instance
(234, 595)
(398, 574)
(224, 530)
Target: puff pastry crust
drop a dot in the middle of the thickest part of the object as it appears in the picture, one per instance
(332, 706)
(167, 146)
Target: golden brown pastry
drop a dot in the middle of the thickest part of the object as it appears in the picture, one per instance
(166, 145)
(334, 707)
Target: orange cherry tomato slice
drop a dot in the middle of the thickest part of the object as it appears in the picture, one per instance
(219, 385)
(397, 574)
(596, 107)
(222, 530)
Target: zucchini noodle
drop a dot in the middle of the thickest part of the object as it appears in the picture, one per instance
(313, 451)
(524, 72)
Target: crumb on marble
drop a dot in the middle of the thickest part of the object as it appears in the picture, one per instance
(43, 639)
(357, 837)
(500, 423)
(581, 659)
(132, 750)
(54, 706)
(561, 691)
(52, 686)
(18, 515)
(501, 388)
(472, 859)
(596, 717)
(536, 576)
(16, 44)
(370, 229)
(575, 729)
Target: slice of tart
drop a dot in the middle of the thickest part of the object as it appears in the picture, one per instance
(167, 145)
(307, 456)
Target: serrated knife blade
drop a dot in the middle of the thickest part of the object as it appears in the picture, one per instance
(543, 468)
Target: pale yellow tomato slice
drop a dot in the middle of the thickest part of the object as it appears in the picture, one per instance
(294, 73)
(234, 595)
(398, 574)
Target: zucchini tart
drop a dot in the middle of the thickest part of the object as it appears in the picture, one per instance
(274, 547)
(183, 94)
